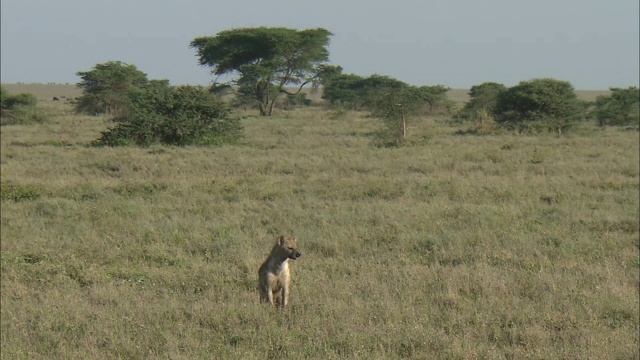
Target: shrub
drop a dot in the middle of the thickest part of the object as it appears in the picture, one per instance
(482, 102)
(184, 115)
(20, 109)
(4, 94)
(357, 93)
(23, 115)
(24, 99)
(621, 108)
(538, 105)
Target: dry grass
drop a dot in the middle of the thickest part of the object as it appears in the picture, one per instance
(45, 92)
(458, 247)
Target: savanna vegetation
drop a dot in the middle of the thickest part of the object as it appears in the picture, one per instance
(538, 105)
(163, 114)
(620, 108)
(19, 109)
(266, 61)
(135, 217)
(106, 87)
(516, 245)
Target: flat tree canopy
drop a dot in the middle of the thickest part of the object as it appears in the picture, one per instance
(265, 60)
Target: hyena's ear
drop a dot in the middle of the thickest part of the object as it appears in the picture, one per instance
(281, 240)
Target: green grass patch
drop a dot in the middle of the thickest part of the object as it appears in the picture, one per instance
(13, 192)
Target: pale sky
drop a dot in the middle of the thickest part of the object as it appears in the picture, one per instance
(594, 44)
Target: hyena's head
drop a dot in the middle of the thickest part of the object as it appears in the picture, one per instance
(288, 246)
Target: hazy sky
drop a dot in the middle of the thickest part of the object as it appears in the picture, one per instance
(594, 44)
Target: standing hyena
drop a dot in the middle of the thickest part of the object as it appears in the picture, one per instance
(274, 278)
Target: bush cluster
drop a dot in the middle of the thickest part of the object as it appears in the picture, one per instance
(183, 115)
(533, 106)
(395, 102)
(359, 93)
(538, 105)
(482, 102)
(20, 109)
(620, 108)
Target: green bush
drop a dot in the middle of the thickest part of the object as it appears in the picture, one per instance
(20, 109)
(482, 102)
(538, 105)
(25, 99)
(10, 102)
(621, 108)
(355, 92)
(4, 94)
(23, 115)
(358, 93)
(183, 115)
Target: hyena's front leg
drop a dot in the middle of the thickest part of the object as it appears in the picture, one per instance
(270, 296)
(265, 294)
(285, 297)
(286, 283)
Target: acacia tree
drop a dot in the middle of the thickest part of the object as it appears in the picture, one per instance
(105, 87)
(265, 60)
(401, 106)
(357, 92)
(396, 108)
(435, 96)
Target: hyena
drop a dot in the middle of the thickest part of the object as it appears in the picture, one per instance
(274, 277)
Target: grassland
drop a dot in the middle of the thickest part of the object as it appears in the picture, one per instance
(457, 247)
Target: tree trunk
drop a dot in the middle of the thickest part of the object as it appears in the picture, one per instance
(404, 126)
(263, 110)
(271, 106)
(262, 94)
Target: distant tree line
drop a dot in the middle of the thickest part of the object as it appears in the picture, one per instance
(269, 67)
(547, 105)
